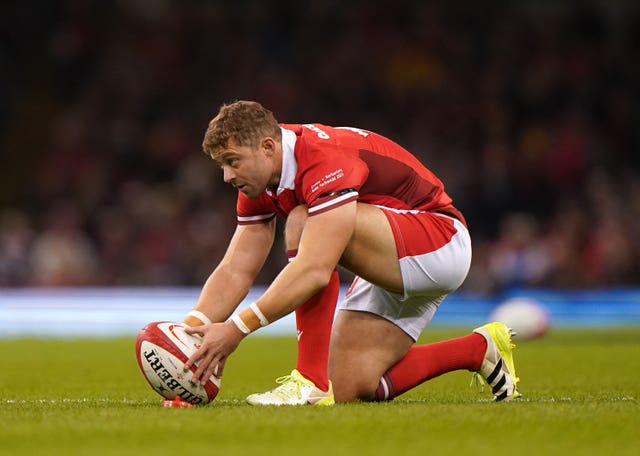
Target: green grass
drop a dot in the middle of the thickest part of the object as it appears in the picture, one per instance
(86, 397)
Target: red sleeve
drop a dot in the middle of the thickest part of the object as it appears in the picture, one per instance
(254, 210)
(329, 177)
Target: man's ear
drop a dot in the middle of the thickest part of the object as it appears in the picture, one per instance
(268, 145)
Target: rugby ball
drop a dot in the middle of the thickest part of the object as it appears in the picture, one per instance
(526, 316)
(162, 348)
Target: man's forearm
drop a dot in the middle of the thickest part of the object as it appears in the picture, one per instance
(220, 295)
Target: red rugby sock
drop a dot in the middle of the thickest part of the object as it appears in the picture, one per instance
(424, 362)
(314, 320)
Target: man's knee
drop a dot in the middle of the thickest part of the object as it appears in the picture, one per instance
(294, 226)
(349, 386)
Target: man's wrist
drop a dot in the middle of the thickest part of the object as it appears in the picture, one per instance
(196, 318)
(250, 319)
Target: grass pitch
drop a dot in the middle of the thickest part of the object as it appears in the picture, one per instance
(87, 397)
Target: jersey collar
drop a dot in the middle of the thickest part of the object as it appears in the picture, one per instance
(289, 164)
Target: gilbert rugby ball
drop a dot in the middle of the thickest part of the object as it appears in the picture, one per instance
(526, 316)
(162, 348)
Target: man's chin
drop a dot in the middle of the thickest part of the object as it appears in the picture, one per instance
(248, 193)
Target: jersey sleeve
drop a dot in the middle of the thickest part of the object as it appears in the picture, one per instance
(254, 210)
(331, 179)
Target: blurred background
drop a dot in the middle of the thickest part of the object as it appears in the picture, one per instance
(529, 111)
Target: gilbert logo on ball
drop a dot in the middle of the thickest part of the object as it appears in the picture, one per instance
(526, 316)
(162, 348)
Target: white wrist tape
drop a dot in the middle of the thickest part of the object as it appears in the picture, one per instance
(240, 324)
(200, 316)
(263, 320)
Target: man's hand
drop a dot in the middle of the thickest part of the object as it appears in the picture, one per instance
(220, 340)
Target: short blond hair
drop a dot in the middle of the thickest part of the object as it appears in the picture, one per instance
(246, 122)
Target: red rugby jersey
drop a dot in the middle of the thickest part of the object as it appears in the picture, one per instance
(324, 167)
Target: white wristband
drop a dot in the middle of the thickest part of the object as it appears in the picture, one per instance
(200, 316)
(263, 320)
(240, 324)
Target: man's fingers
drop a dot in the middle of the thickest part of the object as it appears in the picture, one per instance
(200, 375)
(219, 368)
(193, 359)
(208, 360)
(195, 330)
(212, 369)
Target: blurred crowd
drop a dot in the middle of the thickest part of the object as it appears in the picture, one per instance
(529, 112)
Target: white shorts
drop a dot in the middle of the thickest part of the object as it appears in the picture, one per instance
(434, 254)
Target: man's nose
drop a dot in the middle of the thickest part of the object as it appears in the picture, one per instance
(229, 175)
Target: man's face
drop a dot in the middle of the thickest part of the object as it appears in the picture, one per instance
(249, 169)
